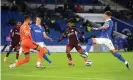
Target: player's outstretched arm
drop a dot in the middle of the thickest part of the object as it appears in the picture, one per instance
(62, 36)
(104, 27)
(45, 36)
(101, 28)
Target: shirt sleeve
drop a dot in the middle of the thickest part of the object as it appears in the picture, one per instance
(106, 24)
(43, 30)
(11, 34)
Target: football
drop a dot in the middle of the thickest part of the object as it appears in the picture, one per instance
(88, 63)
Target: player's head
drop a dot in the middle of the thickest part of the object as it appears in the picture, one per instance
(38, 20)
(27, 19)
(19, 23)
(107, 15)
(70, 24)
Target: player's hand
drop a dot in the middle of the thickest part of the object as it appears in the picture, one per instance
(50, 39)
(94, 28)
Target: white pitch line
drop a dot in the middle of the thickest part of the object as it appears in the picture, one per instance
(61, 77)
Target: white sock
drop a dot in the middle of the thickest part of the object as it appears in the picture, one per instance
(126, 62)
(86, 53)
(14, 64)
(38, 63)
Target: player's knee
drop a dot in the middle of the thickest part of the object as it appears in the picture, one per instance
(45, 50)
(67, 51)
(42, 50)
(81, 51)
(113, 51)
(82, 54)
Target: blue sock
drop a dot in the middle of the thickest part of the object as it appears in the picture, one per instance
(119, 56)
(89, 44)
(47, 59)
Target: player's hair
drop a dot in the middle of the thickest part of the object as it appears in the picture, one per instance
(108, 13)
(38, 17)
(26, 17)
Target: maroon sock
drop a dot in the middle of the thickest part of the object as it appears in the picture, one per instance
(17, 55)
(69, 56)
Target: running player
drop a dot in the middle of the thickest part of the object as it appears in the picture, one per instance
(106, 38)
(38, 35)
(27, 44)
(72, 33)
(15, 40)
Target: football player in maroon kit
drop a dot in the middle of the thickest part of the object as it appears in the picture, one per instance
(73, 42)
(15, 40)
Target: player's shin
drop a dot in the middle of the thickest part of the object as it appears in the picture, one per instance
(5, 59)
(121, 59)
(47, 59)
(42, 51)
(23, 61)
(20, 62)
(119, 56)
(84, 56)
(88, 46)
(17, 55)
(71, 62)
(69, 56)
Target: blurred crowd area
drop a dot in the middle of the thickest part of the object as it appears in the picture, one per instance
(70, 5)
(54, 21)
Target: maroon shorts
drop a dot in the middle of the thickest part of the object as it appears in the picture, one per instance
(15, 45)
(71, 46)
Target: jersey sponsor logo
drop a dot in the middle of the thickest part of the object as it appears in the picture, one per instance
(37, 31)
(72, 33)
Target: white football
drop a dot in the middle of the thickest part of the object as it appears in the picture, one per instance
(88, 63)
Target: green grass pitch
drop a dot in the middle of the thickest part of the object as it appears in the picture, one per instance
(104, 67)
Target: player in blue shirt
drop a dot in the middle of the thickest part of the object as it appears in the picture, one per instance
(38, 35)
(106, 38)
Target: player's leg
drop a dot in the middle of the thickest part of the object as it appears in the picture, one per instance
(4, 47)
(17, 52)
(27, 45)
(82, 53)
(41, 51)
(45, 56)
(25, 59)
(110, 45)
(22, 61)
(68, 49)
(89, 44)
(20, 50)
(47, 59)
(7, 54)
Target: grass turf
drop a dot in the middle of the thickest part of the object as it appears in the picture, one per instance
(104, 67)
